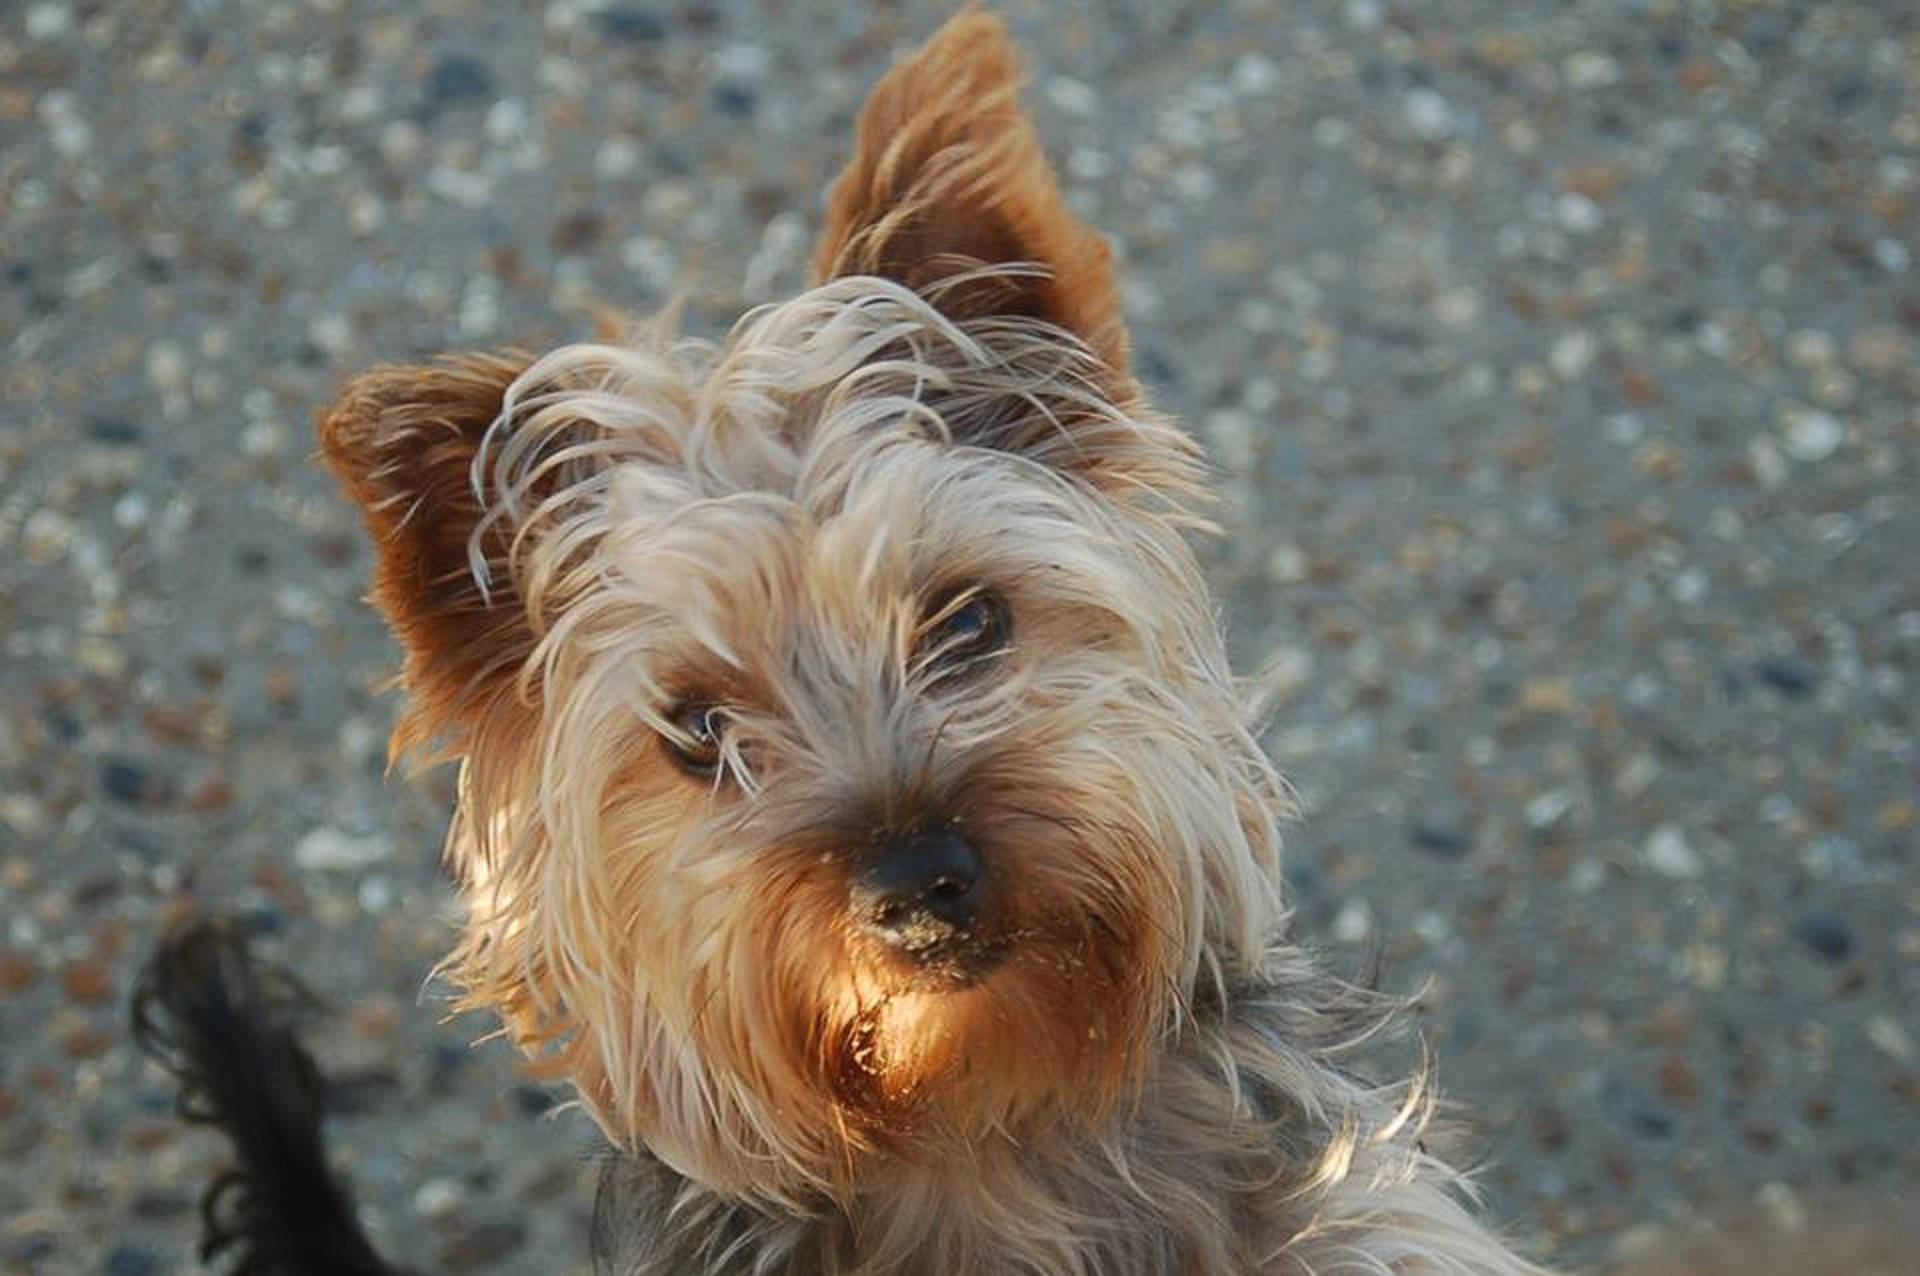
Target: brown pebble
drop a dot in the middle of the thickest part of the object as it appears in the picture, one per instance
(85, 1043)
(283, 686)
(1626, 534)
(1638, 386)
(1677, 1081)
(1698, 73)
(87, 981)
(1548, 1127)
(1670, 1026)
(1528, 450)
(172, 723)
(148, 1135)
(1547, 695)
(211, 792)
(17, 972)
(1659, 460)
(375, 1020)
(1619, 1168)
(1897, 815)
(110, 938)
(1597, 180)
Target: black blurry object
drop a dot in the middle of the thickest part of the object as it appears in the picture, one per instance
(223, 1024)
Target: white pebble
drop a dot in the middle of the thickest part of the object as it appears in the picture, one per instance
(1591, 69)
(1670, 854)
(1287, 564)
(1577, 213)
(1255, 74)
(46, 535)
(745, 62)
(1689, 587)
(619, 156)
(263, 438)
(1428, 114)
(437, 1198)
(480, 307)
(331, 848)
(1769, 467)
(1572, 354)
(1363, 15)
(1811, 348)
(1353, 923)
(1890, 1038)
(1072, 97)
(166, 365)
(1548, 809)
(1812, 435)
(48, 21)
(331, 332)
(1624, 428)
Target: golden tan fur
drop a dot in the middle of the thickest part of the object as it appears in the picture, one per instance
(1129, 1068)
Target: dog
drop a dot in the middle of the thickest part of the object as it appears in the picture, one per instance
(855, 804)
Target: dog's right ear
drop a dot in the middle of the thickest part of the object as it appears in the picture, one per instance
(403, 441)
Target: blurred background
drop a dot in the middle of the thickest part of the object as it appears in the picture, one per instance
(1558, 360)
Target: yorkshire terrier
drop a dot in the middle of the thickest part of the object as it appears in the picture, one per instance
(856, 806)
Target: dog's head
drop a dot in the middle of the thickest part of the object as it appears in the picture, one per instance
(851, 767)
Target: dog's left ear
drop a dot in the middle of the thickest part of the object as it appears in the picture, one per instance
(402, 441)
(948, 176)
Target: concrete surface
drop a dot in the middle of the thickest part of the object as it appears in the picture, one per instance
(1558, 359)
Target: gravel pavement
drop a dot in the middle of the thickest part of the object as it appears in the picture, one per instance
(1558, 357)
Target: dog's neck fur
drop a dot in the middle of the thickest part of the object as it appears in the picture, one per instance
(1294, 1168)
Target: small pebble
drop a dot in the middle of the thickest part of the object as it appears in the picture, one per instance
(631, 25)
(328, 848)
(1428, 114)
(130, 783)
(1790, 677)
(1572, 354)
(131, 1260)
(1812, 435)
(1548, 809)
(1669, 853)
(459, 79)
(1445, 842)
(1591, 69)
(438, 1198)
(1353, 923)
(1827, 934)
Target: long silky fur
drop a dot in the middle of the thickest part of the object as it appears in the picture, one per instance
(657, 492)
(222, 1024)
(1154, 1079)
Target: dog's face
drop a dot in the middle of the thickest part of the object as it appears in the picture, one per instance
(851, 769)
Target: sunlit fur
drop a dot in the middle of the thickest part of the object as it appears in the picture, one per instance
(1140, 1074)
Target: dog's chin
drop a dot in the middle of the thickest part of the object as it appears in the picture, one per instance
(952, 967)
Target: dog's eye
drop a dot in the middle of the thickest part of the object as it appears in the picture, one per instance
(699, 730)
(966, 629)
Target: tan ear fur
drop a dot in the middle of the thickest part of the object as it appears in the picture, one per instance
(948, 174)
(402, 440)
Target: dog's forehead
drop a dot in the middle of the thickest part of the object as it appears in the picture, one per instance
(842, 555)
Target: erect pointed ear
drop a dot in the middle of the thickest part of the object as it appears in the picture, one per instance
(403, 441)
(948, 176)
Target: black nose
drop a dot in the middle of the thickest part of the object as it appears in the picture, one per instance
(920, 891)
